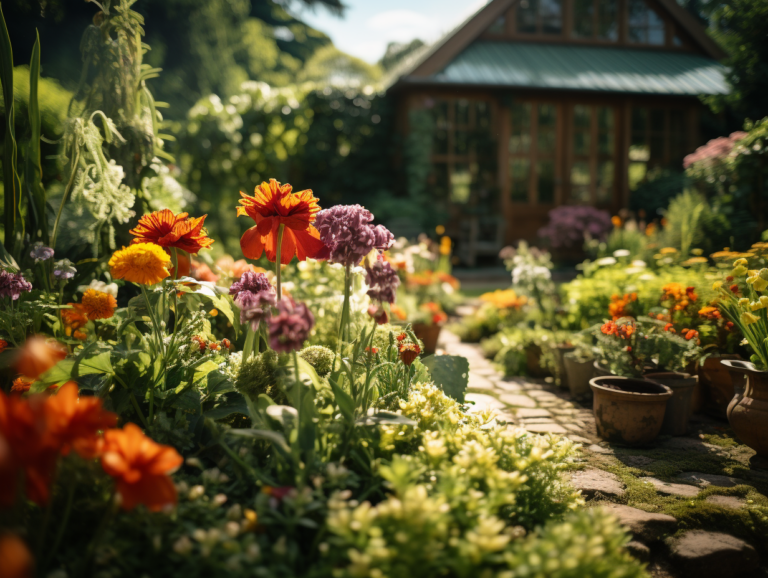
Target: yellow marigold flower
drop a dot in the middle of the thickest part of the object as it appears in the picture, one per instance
(756, 305)
(743, 302)
(739, 270)
(716, 285)
(616, 220)
(740, 263)
(143, 263)
(668, 251)
(97, 304)
(757, 281)
(748, 319)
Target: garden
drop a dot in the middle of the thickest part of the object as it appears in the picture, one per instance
(279, 386)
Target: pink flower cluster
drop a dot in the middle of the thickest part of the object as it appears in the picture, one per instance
(717, 148)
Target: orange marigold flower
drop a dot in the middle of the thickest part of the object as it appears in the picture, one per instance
(692, 334)
(200, 342)
(213, 346)
(37, 356)
(168, 230)
(202, 272)
(398, 311)
(140, 468)
(21, 385)
(226, 343)
(98, 305)
(143, 263)
(74, 318)
(3, 345)
(17, 559)
(734, 288)
(616, 220)
(729, 325)
(402, 337)
(669, 327)
(75, 421)
(273, 205)
(439, 318)
(81, 335)
(372, 350)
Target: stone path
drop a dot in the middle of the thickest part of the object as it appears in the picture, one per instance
(638, 484)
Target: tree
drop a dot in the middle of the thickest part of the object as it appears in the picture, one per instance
(397, 51)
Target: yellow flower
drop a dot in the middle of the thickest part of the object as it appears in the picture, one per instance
(740, 263)
(739, 270)
(668, 251)
(143, 263)
(755, 305)
(743, 302)
(757, 281)
(748, 319)
(97, 304)
(716, 285)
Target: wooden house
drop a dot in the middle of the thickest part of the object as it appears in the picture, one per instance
(531, 104)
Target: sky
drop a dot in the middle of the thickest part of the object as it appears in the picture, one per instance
(369, 25)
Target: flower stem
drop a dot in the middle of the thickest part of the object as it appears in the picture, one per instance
(175, 262)
(64, 198)
(344, 322)
(62, 525)
(161, 348)
(278, 259)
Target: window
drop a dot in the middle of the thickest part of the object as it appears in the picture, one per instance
(499, 26)
(532, 151)
(540, 17)
(593, 151)
(645, 26)
(463, 149)
(596, 19)
(659, 139)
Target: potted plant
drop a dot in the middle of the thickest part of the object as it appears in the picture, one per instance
(578, 370)
(743, 299)
(427, 324)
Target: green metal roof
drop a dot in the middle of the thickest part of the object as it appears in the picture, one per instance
(589, 68)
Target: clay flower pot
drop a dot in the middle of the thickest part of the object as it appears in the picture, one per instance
(716, 385)
(533, 361)
(561, 350)
(628, 410)
(579, 373)
(429, 334)
(749, 416)
(738, 370)
(680, 405)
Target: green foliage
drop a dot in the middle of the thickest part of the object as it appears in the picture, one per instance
(450, 373)
(258, 375)
(692, 223)
(484, 322)
(331, 66)
(320, 358)
(397, 52)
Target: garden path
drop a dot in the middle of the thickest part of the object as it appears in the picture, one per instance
(693, 504)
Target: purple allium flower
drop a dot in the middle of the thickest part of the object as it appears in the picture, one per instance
(40, 252)
(64, 270)
(571, 224)
(251, 282)
(289, 329)
(255, 307)
(382, 280)
(13, 285)
(348, 235)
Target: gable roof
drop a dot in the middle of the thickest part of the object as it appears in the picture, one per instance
(582, 68)
(437, 57)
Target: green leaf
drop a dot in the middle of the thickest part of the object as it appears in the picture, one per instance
(34, 171)
(11, 182)
(188, 400)
(277, 439)
(203, 370)
(235, 404)
(450, 372)
(71, 369)
(210, 291)
(344, 401)
(219, 383)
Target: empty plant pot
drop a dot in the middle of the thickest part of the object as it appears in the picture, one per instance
(680, 405)
(628, 410)
(561, 351)
(429, 334)
(579, 373)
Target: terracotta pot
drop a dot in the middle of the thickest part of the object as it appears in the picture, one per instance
(560, 352)
(749, 417)
(716, 386)
(533, 361)
(600, 370)
(629, 410)
(579, 373)
(429, 334)
(738, 370)
(680, 405)
(697, 399)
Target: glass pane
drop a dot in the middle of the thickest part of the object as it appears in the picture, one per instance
(605, 177)
(547, 123)
(582, 125)
(655, 28)
(581, 143)
(545, 172)
(526, 16)
(583, 18)
(498, 26)
(580, 180)
(657, 119)
(607, 19)
(657, 146)
(638, 21)
(605, 143)
(461, 142)
(582, 117)
(462, 113)
(440, 112)
(440, 142)
(482, 114)
(605, 118)
(438, 181)
(519, 173)
(520, 133)
(461, 181)
(676, 41)
(551, 12)
(639, 120)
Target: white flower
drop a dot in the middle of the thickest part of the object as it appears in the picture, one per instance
(638, 263)
(605, 261)
(110, 288)
(621, 253)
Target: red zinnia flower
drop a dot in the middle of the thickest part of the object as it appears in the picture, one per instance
(273, 205)
(409, 352)
(168, 230)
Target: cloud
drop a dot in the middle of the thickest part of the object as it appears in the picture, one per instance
(399, 19)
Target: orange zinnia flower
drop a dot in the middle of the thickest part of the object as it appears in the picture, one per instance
(140, 468)
(97, 304)
(168, 230)
(37, 356)
(29, 447)
(17, 559)
(73, 318)
(75, 422)
(273, 205)
(21, 385)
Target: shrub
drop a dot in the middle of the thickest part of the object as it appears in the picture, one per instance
(571, 225)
